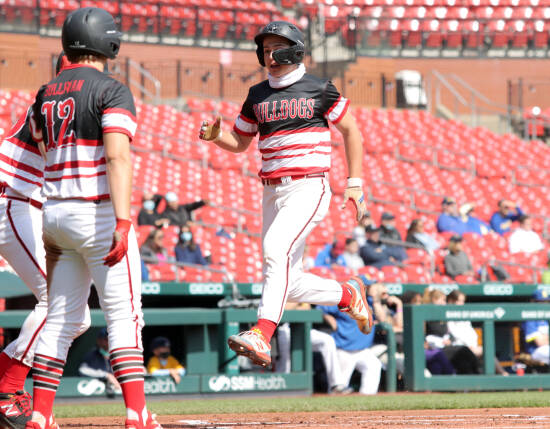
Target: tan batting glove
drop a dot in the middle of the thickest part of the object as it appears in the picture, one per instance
(355, 194)
(211, 132)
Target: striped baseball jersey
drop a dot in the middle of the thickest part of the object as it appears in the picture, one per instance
(70, 115)
(293, 125)
(21, 164)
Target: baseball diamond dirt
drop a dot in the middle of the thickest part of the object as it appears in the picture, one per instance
(512, 418)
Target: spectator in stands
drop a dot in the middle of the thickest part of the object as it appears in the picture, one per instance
(353, 350)
(331, 255)
(388, 231)
(524, 239)
(96, 364)
(437, 362)
(456, 261)
(508, 212)
(180, 214)
(416, 235)
(473, 224)
(536, 332)
(374, 252)
(351, 255)
(449, 219)
(148, 214)
(162, 363)
(153, 251)
(320, 342)
(439, 337)
(187, 250)
(463, 333)
(359, 231)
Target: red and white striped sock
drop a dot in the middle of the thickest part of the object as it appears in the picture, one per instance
(127, 364)
(46, 374)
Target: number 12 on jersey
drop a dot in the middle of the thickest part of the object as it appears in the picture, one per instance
(63, 110)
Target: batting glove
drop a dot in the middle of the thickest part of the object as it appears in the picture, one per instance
(211, 132)
(355, 194)
(120, 242)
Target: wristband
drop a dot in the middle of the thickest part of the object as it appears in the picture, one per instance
(355, 182)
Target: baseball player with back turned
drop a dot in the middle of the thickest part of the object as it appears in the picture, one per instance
(21, 179)
(84, 121)
(291, 110)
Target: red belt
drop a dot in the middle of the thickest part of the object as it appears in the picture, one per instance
(288, 179)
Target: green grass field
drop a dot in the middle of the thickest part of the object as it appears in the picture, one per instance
(320, 403)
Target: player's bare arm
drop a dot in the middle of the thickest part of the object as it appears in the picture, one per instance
(119, 176)
(230, 141)
(354, 156)
(119, 172)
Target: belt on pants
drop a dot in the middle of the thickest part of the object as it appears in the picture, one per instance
(19, 197)
(288, 179)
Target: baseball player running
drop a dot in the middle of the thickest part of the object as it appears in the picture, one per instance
(291, 110)
(84, 121)
(21, 179)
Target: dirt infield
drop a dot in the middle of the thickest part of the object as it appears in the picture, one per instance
(513, 418)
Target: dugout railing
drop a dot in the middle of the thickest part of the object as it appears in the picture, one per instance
(488, 315)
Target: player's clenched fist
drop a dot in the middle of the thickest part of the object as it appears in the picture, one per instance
(120, 242)
(211, 132)
(355, 194)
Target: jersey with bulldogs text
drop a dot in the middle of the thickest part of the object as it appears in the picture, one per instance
(293, 125)
(70, 115)
(21, 164)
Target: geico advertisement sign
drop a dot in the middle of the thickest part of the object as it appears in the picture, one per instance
(236, 383)
(206, 288)
(150, 288)
(94, 387)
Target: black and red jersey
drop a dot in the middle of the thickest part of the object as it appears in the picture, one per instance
(70, 114)
(293, 125)
(21, 164)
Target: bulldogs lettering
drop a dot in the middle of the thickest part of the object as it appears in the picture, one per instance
(277, 110)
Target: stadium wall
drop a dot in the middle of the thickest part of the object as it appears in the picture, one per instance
(27, 63)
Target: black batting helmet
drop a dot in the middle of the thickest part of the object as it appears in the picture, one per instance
(292, 55)
(90, 30)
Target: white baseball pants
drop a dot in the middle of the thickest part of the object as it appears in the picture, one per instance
(366, 362)
(290, 212)
(320, 342)
(21, 245)
(78, 235)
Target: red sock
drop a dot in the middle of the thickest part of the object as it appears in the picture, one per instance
(134, 397)
(267, 327)
(346, 297)
(5, 361)
(14, 377)
(42, 400)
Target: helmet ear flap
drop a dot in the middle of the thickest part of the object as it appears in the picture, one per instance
(260, 54)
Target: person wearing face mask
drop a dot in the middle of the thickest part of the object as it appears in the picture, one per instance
(148, 214)
(96, 364)
(162, 363)
(187, 250)
(388, 231)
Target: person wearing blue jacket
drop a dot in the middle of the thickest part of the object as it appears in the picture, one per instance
(331, 254)
(449, 219)
(353, 348)
(187, 250)
(508, 212)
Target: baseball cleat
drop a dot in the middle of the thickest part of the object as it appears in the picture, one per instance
(253, 345)
(15, 409)
(151, 423)
(39, 422)
(359, 307)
